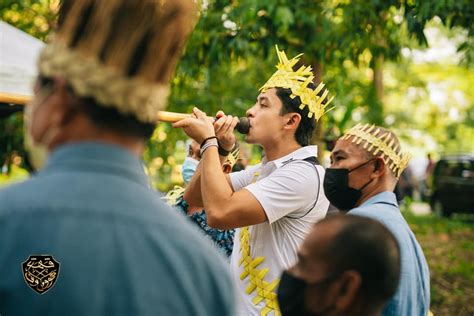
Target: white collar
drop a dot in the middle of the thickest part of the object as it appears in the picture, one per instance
(300, 153)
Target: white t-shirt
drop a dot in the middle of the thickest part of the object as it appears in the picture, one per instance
(290, 191)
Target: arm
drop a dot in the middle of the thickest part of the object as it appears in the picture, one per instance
(192, 194)
(224, 133)
(224, 207)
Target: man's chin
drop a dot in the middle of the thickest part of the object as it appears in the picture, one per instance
(249, 139)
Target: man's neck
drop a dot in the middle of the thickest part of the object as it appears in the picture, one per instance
(280, 149)
(370, 192)
(364, 309)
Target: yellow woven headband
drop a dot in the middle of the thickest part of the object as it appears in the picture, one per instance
(233, 157)
(379, 142)
(298, 81)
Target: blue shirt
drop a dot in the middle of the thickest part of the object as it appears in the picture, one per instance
(223, 239)
(413, 295)
(122, 251)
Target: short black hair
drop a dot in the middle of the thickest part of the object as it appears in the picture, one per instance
(368, 247)
(111, 119)
(107, 117)
(305, 129)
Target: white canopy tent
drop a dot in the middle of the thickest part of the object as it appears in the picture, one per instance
(18, 54)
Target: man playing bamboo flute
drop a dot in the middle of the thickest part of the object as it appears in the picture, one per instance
(273, 204)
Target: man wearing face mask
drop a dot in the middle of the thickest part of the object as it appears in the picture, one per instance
(222, 238)
(365, 166)
(87, 235)
(191, 162)
(348, 265)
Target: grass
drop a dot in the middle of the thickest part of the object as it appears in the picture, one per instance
(448, 244)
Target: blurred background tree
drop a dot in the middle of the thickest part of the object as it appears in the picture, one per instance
(382, 59)
(406, 65)
(36, 17)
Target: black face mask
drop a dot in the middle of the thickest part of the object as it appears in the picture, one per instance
(337, 190)
(291, 296)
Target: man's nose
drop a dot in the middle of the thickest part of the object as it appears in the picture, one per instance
(250, 112)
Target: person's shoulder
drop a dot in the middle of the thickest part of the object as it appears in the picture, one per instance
(186, 239)
(383, 213)
(243, 177)
(376, 210)
(13, 187)
(299, 169)
(14, 194)
(390, 217)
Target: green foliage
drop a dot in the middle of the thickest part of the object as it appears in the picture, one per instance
(448, 248)
(231, 54)
(11, 140)
(36, 17)
(429, 224)
(452, 13)
(436, 101)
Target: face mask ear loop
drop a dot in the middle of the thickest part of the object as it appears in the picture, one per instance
(365, 185)
(360, 166)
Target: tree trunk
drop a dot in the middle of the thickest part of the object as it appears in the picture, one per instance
(375, 114)
(317, 138)
(378, 77)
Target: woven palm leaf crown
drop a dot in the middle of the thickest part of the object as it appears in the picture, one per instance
(298, 81)
(121, 53)
(380, 142)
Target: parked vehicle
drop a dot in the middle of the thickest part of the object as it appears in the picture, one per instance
(452, 185)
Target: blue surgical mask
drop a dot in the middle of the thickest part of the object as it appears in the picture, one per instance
(188, 168)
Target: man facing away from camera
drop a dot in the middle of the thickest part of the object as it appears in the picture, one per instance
(87, 235)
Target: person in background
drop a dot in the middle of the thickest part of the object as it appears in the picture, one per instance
(222, 238)
(366, 163)
(347, 266)
(405, 186)
(244, 157)
(425, 179)
(87, 235)
(191, 161)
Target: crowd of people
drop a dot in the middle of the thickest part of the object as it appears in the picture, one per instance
(88, 235)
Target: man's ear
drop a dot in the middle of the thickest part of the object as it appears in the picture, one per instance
(349, 288)
(67, 101)
(57, 101)
(293, 120)
(379, 167)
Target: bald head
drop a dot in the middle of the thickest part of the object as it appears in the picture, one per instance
(377, 141)
(349, 262)
(366, 246)
(368, 172)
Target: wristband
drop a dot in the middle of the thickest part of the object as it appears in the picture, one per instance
(204, 141)
(207, 144)
(223, 152)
